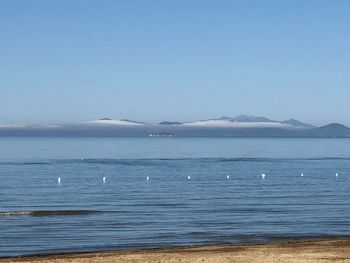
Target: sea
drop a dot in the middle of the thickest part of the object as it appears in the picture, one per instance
(137, 193)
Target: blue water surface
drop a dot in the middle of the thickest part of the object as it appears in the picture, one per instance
(224, 201)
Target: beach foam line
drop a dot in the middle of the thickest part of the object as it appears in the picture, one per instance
(41, 213)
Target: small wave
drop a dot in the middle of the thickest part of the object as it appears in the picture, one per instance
(47, 213)
(254, 159)
(24, 163)
(251, 159)
(162, 161)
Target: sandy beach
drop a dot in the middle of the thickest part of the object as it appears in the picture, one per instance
(322, 250)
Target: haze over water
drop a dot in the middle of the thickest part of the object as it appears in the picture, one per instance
(37, 215)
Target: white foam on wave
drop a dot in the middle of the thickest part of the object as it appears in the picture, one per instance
(16, 213)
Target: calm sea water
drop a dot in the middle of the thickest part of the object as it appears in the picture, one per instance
(37, 215)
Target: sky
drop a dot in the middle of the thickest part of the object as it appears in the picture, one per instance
(68, 61)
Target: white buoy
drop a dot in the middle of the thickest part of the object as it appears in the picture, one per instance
(302, 175)
(189, 177)
(263, 176)
(104, 179)
(147, 178)
(336, 174)
(82, 159)
(59, 180)
(227, 177)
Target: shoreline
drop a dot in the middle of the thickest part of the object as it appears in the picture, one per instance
(335, 249)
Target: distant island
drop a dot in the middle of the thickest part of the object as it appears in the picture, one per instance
(239, 126)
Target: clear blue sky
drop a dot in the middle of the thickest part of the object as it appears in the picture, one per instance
(72, 61)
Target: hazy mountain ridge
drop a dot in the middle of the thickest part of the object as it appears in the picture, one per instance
(240, 126)
(246, 118)
(298, 123)
(247, 121)
(332, 130)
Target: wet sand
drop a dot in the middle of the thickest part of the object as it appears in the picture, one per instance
(321, 250)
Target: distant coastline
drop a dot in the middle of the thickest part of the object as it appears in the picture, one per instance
(241, 126)
(328, 131)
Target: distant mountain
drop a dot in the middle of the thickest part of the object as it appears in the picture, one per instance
(239, 126)
(246, 118)
(297, 123)
(170, 123)
(331, 130)
(137, 122)
(240, 121)
(245, 121)
(108, 121)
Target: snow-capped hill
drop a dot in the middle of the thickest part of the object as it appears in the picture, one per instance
(111, 122)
